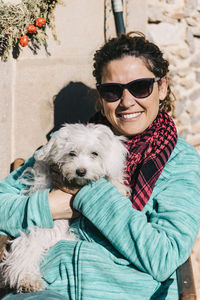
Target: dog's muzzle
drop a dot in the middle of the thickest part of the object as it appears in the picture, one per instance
(81, 172)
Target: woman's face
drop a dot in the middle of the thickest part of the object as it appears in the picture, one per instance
(130, 115)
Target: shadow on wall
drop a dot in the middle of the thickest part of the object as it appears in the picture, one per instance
(75, 103)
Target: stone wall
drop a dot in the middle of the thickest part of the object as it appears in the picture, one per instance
(175, 26)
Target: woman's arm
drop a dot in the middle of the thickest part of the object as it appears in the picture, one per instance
(19, 212)
(159, 241)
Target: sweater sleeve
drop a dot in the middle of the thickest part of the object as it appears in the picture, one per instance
(20, 212)
(155, 241)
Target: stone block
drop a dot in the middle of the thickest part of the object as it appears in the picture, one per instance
(198, 76)
(194, 139)
(191, 7)
(195, 61)
(190, 40)
(195, 95)
(195, 128)
(166, 34)
(155, 14)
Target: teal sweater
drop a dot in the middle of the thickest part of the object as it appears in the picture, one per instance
(123, 253)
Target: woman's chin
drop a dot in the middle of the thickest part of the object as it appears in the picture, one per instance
(128, 128)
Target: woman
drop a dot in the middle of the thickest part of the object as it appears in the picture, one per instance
(128, 249)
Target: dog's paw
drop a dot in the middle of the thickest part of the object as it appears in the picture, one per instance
(122, 188)
(126, 191)
(29, 284)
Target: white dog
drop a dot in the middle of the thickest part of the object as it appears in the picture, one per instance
(84, 153)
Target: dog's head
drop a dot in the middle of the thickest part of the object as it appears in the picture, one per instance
(85, 152)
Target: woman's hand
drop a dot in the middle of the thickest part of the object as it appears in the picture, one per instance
(61, 197)
(60, 204)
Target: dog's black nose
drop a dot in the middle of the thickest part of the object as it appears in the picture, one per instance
(81, 172)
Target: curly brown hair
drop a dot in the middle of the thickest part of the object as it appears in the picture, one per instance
(134, 44)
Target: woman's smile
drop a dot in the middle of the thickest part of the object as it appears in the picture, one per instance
(129, 116)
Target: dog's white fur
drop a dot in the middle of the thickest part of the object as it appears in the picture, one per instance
(91, 148)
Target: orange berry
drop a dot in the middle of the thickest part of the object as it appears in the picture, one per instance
(23, 40)
(31, 28)
(39, 22)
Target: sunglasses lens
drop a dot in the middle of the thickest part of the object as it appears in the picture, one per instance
(110, 92)
(141, 88)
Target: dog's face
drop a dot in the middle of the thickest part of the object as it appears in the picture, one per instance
(82, 163)
(85, 153)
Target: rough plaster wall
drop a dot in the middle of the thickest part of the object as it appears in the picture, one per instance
(29, 84)
(6, 114)
(36, 90)
(175, 26)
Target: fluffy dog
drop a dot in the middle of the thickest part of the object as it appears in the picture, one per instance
(84, 153)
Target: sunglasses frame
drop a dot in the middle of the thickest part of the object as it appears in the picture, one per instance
(126, 86)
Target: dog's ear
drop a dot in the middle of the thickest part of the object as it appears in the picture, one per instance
(44, 154)
(53, 150)
(115, 151)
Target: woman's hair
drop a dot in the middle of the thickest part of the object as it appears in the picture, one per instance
(138, 46)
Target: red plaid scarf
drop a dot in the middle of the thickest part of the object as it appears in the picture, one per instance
(148, 154)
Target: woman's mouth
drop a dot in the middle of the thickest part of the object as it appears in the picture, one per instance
(130, 116)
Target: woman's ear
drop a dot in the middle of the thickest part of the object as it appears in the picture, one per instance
(163, 86)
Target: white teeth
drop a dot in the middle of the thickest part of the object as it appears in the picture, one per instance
(129, 116)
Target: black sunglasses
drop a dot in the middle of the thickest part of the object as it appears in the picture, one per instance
(139, 88)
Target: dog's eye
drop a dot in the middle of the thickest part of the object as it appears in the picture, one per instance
(72, 153)
(95, 154)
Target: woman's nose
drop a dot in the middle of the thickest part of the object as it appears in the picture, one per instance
(127, 99)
